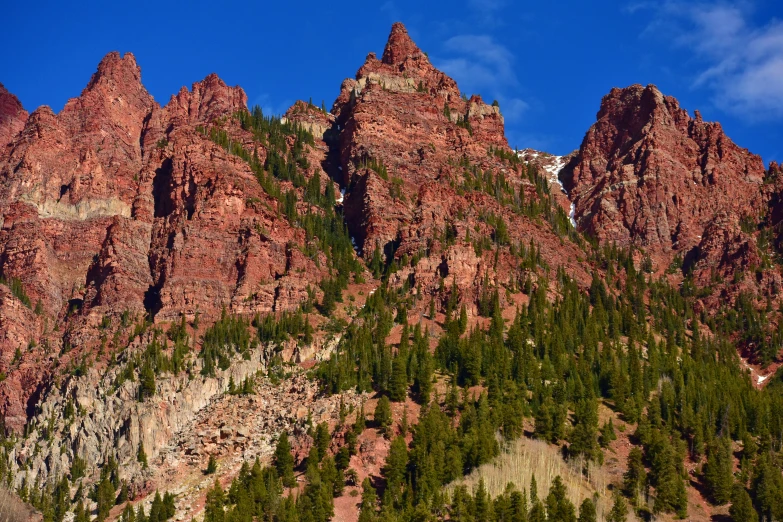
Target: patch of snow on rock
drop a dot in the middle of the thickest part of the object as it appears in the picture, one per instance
(552, 165)
(554, 171)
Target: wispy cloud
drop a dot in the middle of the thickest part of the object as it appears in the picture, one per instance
(741, 62)
(271, 107)
(481, 65)
(481, 54)
(514, 108)
(488, 12)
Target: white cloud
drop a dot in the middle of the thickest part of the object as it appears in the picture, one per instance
(488, 12)
(481, 65)
(271, 107)
(513, 108)
(742, 61)
(486, 53)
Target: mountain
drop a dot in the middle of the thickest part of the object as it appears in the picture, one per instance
(412, 150)
(12, 116)
(182, 284)
(648, 174)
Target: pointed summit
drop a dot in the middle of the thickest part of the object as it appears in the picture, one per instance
(399, 47)
(114, 97)
(12, 116)
(208, 99)
(118, 70)
(649, 174)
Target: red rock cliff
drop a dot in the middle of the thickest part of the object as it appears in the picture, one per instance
(648, 174)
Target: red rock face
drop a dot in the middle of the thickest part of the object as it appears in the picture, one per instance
(393, 113)
(116, 204)
(648, 174)
(407, 137)
(12, 117)
(74, 171)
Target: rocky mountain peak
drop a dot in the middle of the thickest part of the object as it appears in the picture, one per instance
(12, 116)
(114, 98)
(400, 47)
(649, 174)
(208, 99)
(116, 70)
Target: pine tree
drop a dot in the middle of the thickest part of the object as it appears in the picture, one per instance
(518, 506)
(537, 511)
(399, 379)
(671, 496)
(146, 381)
(396, 465)
(104, 499)
(635, 477)
(156, 510)
(284, 461)
(543, 421)
(211, 466)
(81, 514)
(607, 434)
(481, 502)
(619, 512)
(587, 511)
(123, 496)
(741, 509)
(718, 471)
(168, 506)
(361, 419)
(213, 507)
(382, 415)
(558, 507)
(583, 436)
(767, 488)
(141, 456)
(463, 319)
(369, 501)
(308, 331)
(322, 439)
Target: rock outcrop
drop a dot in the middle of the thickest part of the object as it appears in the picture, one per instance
(648, 174)
(119, 218)
(117, 205)
(12, 117)
(410, 146)
(108, 419)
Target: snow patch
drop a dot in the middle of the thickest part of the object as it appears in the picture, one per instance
(355, 248)
(553, 176)
(554, 171)
(341, 198)
(762, 378)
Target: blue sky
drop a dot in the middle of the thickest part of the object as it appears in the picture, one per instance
(548, 63)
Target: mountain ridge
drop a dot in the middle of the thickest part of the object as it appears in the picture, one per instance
(132, 235)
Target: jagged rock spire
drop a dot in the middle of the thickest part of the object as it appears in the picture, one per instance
(12, 116)
(399, 46)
